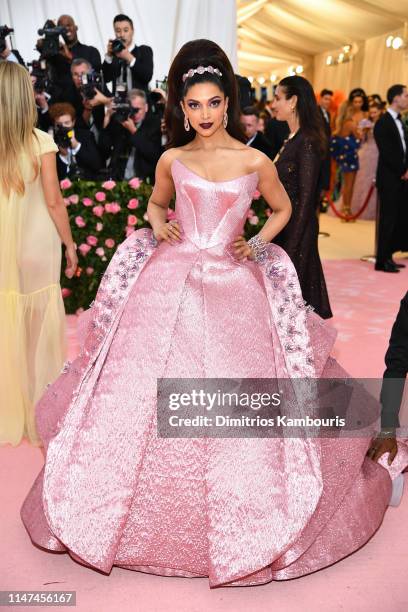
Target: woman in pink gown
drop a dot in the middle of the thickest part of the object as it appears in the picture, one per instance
(193, 299)
(368, 160)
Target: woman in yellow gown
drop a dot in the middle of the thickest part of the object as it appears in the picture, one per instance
(33, 223)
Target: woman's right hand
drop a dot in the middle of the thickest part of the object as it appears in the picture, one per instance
(72, 260)
(170, 232)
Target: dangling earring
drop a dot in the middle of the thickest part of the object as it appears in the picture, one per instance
(293, 109)
(186, 123)
(225, 121)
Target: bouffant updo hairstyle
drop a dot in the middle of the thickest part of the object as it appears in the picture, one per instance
(200, 52)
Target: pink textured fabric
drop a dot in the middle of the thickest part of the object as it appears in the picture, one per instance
(240, 511)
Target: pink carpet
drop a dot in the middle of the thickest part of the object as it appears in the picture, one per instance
(374, 579)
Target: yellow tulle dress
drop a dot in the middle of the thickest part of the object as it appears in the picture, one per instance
(32, 317)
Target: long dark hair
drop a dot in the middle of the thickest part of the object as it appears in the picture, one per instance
(200, 52)
(359, 93)
(310, 116)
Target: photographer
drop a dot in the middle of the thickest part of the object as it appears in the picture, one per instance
(68, 49)
(42, 93)
(87, 99)
(124, 60)
(131, 137)
(7, 54)
(79, 156)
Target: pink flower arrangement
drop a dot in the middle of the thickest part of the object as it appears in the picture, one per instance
(100, 196)
(67, 202)
(99, 226)
(251, 213)
(113, 207)
(65, 292)
(98, 210)
(268, 212)
(79, 311)
(129, 230)
(80, 221)
(145, 217)
(132, 220)
(134, 183)
(254, 220)
(87, 201)
(90, 271)
(256, 195)
(110, 243)
(84, 248)
(170, 214)
(74, 198)
(100, 251)
(65, 183)
(109, 185)
(133, 203)
(92, 240)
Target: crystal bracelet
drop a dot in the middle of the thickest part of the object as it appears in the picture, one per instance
(258, 246)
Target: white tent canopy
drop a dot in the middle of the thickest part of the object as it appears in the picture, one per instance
(274, 35)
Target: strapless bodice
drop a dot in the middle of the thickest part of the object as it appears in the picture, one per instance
(211, 212)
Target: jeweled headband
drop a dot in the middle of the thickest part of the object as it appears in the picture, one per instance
(201, 70)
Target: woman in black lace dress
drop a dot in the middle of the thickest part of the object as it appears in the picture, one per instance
(298, 164)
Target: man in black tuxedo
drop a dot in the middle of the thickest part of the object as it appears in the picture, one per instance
(90, 112)
(132, 64)
(80, 153)
(60, 64)
(133, 144)
(250, 123)
(276, 132)
(326, 96)
(392, 176)
(396, 361)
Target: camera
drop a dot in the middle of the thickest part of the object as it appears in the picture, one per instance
(4, 31)
(39, 70)
(50, 46)
(89, 82)
(158, 102)
(122, 107)
(117, 45)
(62, 136)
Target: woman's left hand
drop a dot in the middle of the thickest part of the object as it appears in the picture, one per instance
(242, 250)
(382, 445)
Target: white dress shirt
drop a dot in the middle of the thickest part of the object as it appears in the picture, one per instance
(129, 80)
(251, 140)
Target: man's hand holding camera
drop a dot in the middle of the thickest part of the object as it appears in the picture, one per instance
(74, 143)
(125, 55)
(98, 99)
(66, 53)
(129, 125)
(41, 100)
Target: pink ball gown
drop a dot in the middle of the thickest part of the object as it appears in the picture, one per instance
(240, 511)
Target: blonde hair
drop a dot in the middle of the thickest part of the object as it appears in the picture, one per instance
(344, 115)
(18, 117)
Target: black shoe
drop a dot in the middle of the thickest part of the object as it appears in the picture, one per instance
(386, 267)
(397, 265)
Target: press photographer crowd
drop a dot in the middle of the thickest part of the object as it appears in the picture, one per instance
(104, 119)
